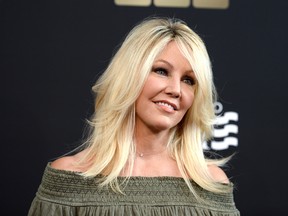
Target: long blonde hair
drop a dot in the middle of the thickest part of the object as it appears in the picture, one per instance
(110, 145)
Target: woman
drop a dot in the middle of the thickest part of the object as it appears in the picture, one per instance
(144, 156)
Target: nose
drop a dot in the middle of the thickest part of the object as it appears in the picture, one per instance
(173, 88)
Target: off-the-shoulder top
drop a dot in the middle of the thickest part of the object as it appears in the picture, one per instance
(66, 193)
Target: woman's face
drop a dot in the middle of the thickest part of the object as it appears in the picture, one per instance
(168, 92)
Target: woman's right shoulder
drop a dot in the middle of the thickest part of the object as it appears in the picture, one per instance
(68, 163)
(63, 163)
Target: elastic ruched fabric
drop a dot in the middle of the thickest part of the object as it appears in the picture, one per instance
(66, 193)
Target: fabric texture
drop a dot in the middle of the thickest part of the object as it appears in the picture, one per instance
(66, 193)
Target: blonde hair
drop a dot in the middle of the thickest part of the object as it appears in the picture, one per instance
(110, 144)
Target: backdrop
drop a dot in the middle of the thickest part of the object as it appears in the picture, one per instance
(53, 51)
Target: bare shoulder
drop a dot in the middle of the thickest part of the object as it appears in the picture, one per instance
(67, 163)
(63, 163)
(218, 174)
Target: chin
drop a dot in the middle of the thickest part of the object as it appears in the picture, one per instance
(163, 127)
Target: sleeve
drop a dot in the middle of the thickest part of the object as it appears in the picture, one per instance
(47, 208)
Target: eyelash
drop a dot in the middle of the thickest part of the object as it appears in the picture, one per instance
(190, 80)
(187, 79)
(159, 70)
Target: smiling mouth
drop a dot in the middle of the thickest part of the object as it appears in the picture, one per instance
(172, 107)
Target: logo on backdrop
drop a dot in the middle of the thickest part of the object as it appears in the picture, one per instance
(225, 131)
(205, 4)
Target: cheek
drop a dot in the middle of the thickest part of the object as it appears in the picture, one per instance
(150, 87)
(188, 100)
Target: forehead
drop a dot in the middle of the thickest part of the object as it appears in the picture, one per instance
(173, 56)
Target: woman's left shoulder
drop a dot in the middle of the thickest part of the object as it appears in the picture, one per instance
(218, 174)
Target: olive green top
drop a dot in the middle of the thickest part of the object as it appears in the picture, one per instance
(66, 193)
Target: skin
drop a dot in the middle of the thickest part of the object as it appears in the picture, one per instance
(167, 95)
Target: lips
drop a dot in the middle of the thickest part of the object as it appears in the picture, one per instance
(167, 104)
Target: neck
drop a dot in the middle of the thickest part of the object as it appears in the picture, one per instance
(151, 144)
(149, 154)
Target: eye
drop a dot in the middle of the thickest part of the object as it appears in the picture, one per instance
(189, 80)
(161, 71)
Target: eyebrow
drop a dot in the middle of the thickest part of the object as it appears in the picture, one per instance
(164, 61)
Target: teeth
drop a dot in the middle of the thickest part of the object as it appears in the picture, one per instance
(165, 104)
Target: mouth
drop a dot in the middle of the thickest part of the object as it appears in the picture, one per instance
(167, 104)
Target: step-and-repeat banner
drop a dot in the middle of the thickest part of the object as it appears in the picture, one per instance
(53, 51)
